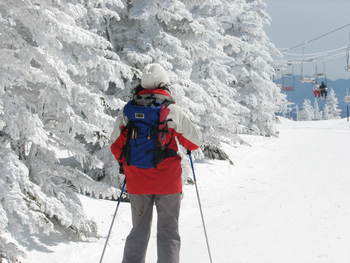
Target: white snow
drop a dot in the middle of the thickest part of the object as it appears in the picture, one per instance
(286, 200)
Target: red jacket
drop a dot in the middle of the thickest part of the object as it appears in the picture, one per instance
(166, 177)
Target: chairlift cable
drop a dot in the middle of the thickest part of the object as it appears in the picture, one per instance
(318, 54)
(317, 38)
(309, 59)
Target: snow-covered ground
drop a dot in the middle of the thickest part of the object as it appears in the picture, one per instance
(286, 200)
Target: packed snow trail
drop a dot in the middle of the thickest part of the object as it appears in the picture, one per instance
(286, 200)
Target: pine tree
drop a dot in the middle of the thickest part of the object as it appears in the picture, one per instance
(220, 54)
(332, 110)
(256, 92)
(326, 112)
(57, 85)
(317, 112)
(307, 112)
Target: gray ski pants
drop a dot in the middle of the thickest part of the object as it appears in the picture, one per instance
(168, 238)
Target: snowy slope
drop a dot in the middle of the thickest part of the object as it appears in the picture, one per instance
(285, 200)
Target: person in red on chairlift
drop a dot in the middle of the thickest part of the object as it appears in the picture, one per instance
(317, 91)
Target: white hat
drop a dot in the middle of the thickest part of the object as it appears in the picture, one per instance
(153, 76)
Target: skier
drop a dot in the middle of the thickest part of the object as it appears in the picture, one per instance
(316, 90)
(153, 175)
(323, 89)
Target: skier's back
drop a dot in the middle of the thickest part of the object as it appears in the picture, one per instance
(153, 174)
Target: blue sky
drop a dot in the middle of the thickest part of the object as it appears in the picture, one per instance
(294, 21)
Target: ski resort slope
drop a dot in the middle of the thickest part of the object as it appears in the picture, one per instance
(285, 200)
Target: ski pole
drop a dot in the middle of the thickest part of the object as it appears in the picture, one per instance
(200, 206)
(114, 216)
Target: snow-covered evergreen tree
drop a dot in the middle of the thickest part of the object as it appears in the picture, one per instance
(307, 111)
(331, 109)
(325, 112)
(256, 91)
(287, 109)
(58, 78)
(317, 112)
(219, 55)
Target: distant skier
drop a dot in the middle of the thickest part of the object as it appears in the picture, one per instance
(145, 146)
(316, 90)
(323, 89)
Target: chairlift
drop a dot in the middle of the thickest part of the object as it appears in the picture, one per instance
(347, 66)
(325, 73)
(288, 78)
(277, 74)
(320, 75)
(347, 96)
(320, 90)
(303, 78)
(288, 88)
(307, 80)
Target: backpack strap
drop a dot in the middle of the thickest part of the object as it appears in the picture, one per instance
(131, 134)
(164, 137)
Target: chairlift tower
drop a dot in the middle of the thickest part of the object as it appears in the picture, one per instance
(347, 101)
(347, 66)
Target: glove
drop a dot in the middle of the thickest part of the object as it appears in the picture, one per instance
(121, 168)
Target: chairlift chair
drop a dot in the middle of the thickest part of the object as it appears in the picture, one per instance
(320, 77)
(288, 88)
(303, 78)
(308, 80)
(289, 75)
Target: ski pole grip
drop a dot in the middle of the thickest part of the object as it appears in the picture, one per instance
(188, 152)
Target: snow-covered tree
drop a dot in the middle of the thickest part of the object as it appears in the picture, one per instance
(307, 111)
(256, 91)
(58, 80)
(219, 55)
(317, 112)
(287, 110)
(331, 109)
(325, 112)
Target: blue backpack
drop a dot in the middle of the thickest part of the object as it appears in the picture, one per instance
(142, 148)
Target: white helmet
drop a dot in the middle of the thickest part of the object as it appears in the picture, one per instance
(154, 76)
